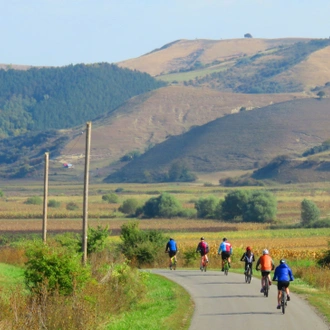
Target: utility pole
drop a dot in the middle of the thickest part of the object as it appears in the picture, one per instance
(86, 182)
(44, 222)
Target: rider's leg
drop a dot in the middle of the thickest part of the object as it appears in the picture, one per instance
(279, 296)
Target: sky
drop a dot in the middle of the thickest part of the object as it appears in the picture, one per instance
(64, 32)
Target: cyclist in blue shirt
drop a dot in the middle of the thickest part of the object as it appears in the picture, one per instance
(172, 249)
(283, 276)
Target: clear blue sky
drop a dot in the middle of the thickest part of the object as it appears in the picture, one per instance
(63, 32)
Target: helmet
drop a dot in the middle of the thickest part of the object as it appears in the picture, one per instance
(248, 248)
(282, 261)
(171, 238)
(202, 238)
(224, 239)
(265, 251)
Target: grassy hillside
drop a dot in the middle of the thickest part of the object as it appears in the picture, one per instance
(241, 65)
(149, 119)
(239, 141)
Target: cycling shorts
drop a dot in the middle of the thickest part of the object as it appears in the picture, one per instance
(225, 255)
(171, 253)
(281, 284)
(265, 273)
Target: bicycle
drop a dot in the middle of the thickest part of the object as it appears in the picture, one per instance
(204, 263)
(173, 262)
(284, 299)
(248, 274)
(266, 285)
(226, 267)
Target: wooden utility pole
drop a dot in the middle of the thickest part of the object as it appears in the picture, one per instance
(86, 182)
(44, 222)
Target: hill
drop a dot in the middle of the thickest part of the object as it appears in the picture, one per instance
(47, 98)
(241, 65)
(149, 119)
(240, 141)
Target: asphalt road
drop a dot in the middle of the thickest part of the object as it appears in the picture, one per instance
(228, 302)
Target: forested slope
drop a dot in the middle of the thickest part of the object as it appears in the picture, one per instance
(63, 97)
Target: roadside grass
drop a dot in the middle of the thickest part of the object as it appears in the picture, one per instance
(166, 306)
(10, 278)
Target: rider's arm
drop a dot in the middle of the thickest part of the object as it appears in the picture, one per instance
(273, 265)
(243, 257)
(167, 247)
(253, 259)
(290, 274)
(258, 263)
(219, 249)
(275, 275)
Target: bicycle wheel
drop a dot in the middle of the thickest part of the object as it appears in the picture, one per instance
(226, 268)
(248, 275)
(283, 301)
(266, 287)
(174, 264)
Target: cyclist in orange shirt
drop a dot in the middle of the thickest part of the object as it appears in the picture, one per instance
(266, 264)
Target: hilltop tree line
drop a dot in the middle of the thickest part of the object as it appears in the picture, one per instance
(63, 97)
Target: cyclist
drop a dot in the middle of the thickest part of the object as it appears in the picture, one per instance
(203, 249)
(267, 265)
(283, 276)
(248, 258)
(172, 249)
(226, 250)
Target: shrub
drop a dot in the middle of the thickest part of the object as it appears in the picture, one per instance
(309, 212)
(189, 256)
(54, 203)
(261, 207)
(140, 245)
(165, 205)
(129, 206)
(110, 198)
(1, 193)
(325, 260)
(233, 204)
(72, 206)
(96, 239)
(35, 200)
(54, 269)
(206, 207)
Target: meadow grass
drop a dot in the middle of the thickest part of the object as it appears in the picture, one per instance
(166, 306)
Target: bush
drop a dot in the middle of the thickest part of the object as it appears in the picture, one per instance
(140, 245)
(206, 207)
(261, 207)
(189, 256)
(309, 212)
(233, 204)
(72, 206)
(129, 206)
(325, 260)
(166, 206)
(96, 239)
(35, 200)
(1, 193)
(54, 269)
(110, 198)
(54, 203)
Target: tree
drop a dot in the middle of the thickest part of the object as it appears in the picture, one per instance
(233, 204)
(165, 205)
(129, 206)
(248, 35)
(179, 172)
(309, 212)
(261, 207)
(206, 207)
